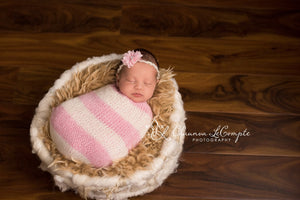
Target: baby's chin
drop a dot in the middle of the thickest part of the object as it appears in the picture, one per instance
(137, 100)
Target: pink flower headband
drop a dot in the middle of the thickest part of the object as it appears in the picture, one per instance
(131, 57)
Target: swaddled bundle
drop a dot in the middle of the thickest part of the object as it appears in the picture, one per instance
(99, 127)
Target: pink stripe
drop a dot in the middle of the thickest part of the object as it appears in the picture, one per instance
(143, 105)
(78, 138)
(111, 118)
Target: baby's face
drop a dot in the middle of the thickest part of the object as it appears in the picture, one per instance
(138, 82)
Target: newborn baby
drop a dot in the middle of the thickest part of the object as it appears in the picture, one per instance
(101, 126)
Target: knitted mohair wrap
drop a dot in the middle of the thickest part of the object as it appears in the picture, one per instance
(99, 127)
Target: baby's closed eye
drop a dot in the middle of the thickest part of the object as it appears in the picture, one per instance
(148, 83)
(130, 80)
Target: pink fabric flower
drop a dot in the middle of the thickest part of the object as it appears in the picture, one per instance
(131, 57)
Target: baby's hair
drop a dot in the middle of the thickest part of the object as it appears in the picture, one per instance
(148, 56)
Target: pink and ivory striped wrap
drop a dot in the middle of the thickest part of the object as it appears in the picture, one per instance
(99, 127)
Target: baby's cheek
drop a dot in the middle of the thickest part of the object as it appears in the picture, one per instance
(151, 92)
(124, 85)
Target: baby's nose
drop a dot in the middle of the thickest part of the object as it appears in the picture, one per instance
(138, 85)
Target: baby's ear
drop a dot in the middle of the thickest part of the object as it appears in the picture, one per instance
(117, 80)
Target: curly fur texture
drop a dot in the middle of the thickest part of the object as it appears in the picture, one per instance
(146, 156)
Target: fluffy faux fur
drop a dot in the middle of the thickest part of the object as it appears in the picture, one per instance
(145, 167)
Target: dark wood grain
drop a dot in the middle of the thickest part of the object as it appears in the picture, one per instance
(256, 4)
(268, 134)
(207, 22)
(232, 177)
(67, 16)
(15, 116)
(42, 80)
(8, 76)
(240, 93)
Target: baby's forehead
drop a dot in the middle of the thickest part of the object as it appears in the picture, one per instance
(139, 74)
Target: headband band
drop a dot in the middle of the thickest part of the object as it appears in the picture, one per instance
(131, 57)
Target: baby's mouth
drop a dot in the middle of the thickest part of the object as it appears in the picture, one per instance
(137, 94)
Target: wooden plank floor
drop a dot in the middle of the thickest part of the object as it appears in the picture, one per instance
(237, 66)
